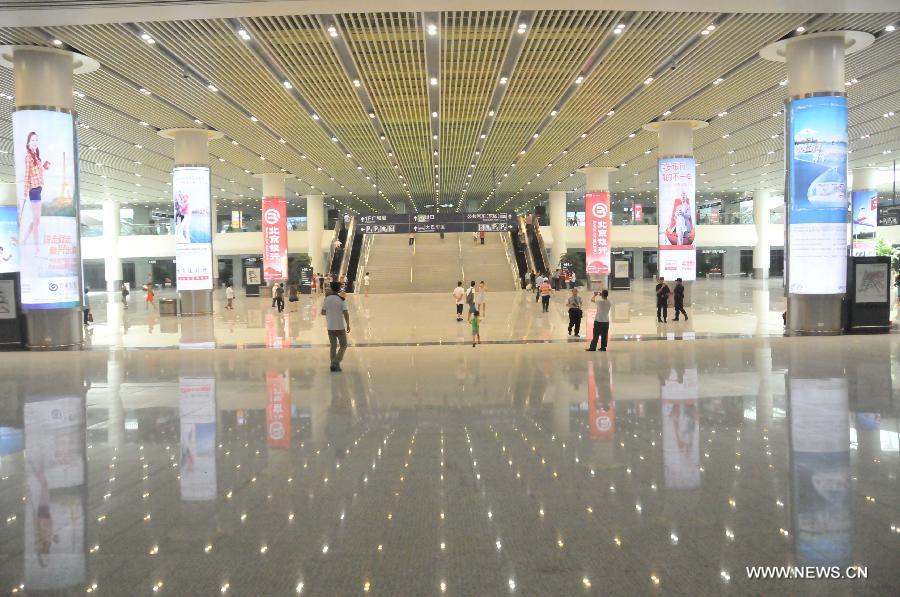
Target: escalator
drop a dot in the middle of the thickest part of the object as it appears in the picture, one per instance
(350, 268)
(336, 254)
(536, 242)
(519, 250)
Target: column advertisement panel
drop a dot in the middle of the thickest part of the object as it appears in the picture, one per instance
(820, 470)
(598, 229)
(637, 213)
(193, 228)
(54, 530)
(278, 411)
(677, 219)
(197, 409)
(9, 239)
(817, 195)
(47, 209)
(681, 429)
(865, 222)
(274, 223)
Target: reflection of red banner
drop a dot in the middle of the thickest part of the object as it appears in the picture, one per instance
(274, 226)
(601, 421)
(598, 229)
(638, 213)
(278, 411)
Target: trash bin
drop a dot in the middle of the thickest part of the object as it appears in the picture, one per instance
(168, 306)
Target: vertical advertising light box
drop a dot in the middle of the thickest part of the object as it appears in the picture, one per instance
(597, 228)
(274, 223)
(817, 195)
(865, 221)
(193, 228)
(47, 210)
(677, 219)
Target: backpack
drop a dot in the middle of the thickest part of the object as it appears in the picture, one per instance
(470, 296)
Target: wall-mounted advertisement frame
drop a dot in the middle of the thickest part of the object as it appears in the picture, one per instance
(864, 222)
(193, 228)
(677, 222)
(817, 202)
(47, 209)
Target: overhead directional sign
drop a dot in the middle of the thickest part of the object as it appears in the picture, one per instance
(439, 222)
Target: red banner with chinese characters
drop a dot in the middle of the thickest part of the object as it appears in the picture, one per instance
(274, 225)
(638, 213)
(597, 228)
(278, 411)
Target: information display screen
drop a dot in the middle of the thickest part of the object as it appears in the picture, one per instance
(193, 228)
(677, 219)
(9, 239)
(598, 233)
(274, 225)
(817, 195)
(865, 221)
(47, 209)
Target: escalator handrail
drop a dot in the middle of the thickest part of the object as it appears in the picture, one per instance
(540, 239)
(337, 232)
(529, 256)
(364, 251)
(348, 249)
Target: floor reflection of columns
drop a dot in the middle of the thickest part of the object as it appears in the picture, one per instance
(115, 374)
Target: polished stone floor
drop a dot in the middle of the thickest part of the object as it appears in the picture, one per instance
(516, 468)
(734, 307)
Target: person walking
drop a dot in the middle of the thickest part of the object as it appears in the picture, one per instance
(150, 296)
(474, 238)
(279, 297)
(88, 318)
(573, 281)
(662, 300)
(481, 236)
(293, 296)
(481, 299)
(546, 290)
(601, 321)
(533, 278)
(555, 279)
(538, 283)
(573, 304)
(476, 327)
(337, 321)
(679, 300)
(459, 294)
(470, 300)
(412, 238)
(526, 280)
(321, 288)
(125, 293)
(366, 281)
(229, 296)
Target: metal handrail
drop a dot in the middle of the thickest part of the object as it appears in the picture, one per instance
(529, 256)
(510, 257)
(337, 233)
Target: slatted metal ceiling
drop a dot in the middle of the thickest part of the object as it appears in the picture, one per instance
(347, 111)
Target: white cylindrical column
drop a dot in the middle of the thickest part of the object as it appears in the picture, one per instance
(111, 260)
(196, 264)
(315, 226)
(762, 247)
(815, 193)
(557, 213)
(596, 179)
(865, 178)
(273, 185)
(47, 185)
(676, 210)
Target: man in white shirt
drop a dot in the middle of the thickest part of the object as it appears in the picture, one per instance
(229, 297)
(601, 320)
(459, 294)
(337, 320)
(366, 283)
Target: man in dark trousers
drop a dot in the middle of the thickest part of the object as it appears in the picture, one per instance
(662, 300)
(601, 320)
(679, 300)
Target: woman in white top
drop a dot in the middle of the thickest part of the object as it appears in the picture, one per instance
(366, 283)
(481, 298)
